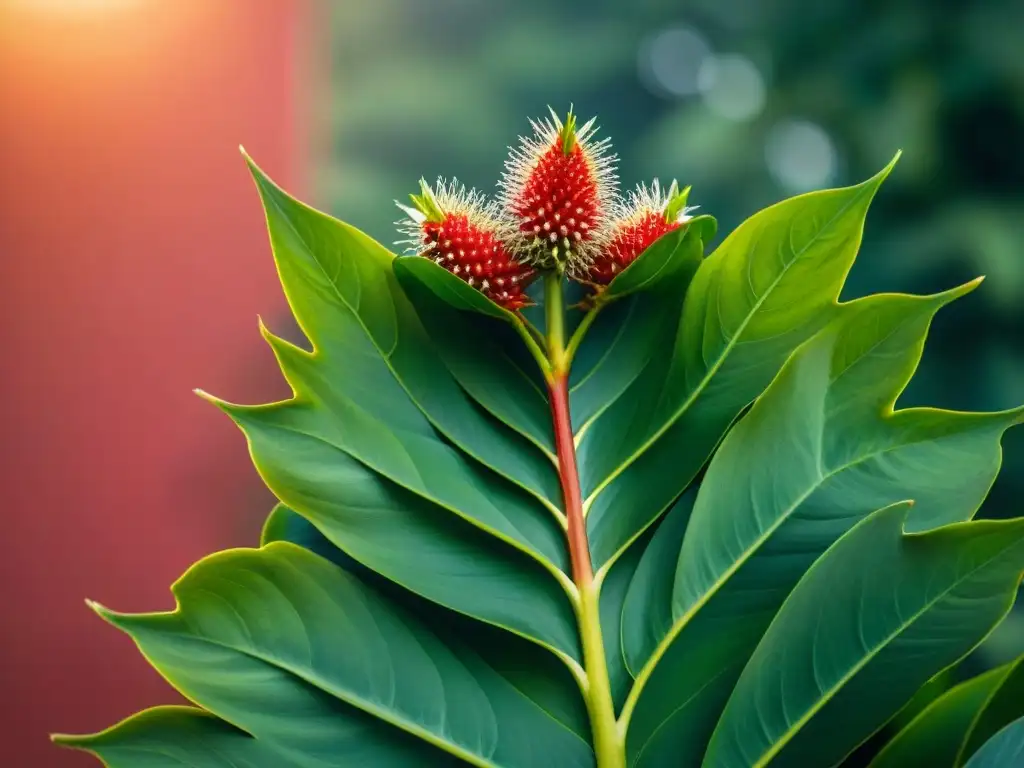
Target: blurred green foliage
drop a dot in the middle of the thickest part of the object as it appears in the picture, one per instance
(709, 92)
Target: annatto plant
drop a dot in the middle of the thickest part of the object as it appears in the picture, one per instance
(673, 520)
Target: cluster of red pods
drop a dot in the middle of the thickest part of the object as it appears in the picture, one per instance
(558, 208)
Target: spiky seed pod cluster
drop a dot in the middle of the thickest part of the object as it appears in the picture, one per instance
(558, 209)
(645, 215)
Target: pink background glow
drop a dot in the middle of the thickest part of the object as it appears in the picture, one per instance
(133, 264)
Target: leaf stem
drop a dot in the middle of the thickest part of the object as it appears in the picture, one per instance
(608, 741)
(576, 531)
(529, 335)
(554, 309)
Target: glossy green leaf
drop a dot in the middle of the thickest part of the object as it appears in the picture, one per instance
(613, 597)
(924, 697)
(1003, 750)
(284, 524)
(630, 328)
(454, 291)
(871, 621)
(535, 672)
(296, 437)
(414, 542)
(302, 655)
(817, 452)
(484, 353)
(938, 735)
(1006, 704)
(613, 353)
(184, 737)
(647, 611)
(670, 255)
(770, 285)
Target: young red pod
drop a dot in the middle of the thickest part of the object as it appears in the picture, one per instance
(646, 215)
(458, 229)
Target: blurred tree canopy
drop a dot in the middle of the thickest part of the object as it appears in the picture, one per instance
(749, 103)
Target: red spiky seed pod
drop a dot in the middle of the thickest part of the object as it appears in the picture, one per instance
(558, 190)
(458, 229)
(647, 214)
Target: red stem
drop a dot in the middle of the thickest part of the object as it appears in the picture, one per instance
(579, 548)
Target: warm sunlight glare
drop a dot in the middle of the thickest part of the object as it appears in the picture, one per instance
(71, 7)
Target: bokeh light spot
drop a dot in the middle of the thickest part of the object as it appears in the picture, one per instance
(670, 60)
(800, 155)
(732, 86)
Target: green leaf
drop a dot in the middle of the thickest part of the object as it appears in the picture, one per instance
(535, 672)
(629, 327)
(184, 737)
(674, 256)
(613, 596)
(485, 354)
(614, 351)
(938, 735)
(310, 660)
(413, 542)
(871, 621)
(1004, 749)
(769, 286)
(284, 524)
(647, 612)
(927, 694)
(819, 450)
(1006, 704)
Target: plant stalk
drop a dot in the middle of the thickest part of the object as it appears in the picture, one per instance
(576, 529)
(608, 742)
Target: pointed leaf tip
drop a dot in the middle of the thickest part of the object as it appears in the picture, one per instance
(262, 180)
(100, 610)
(212, 399)
(876, 180)
(965, 288)
(891, 164)
(73, 740)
